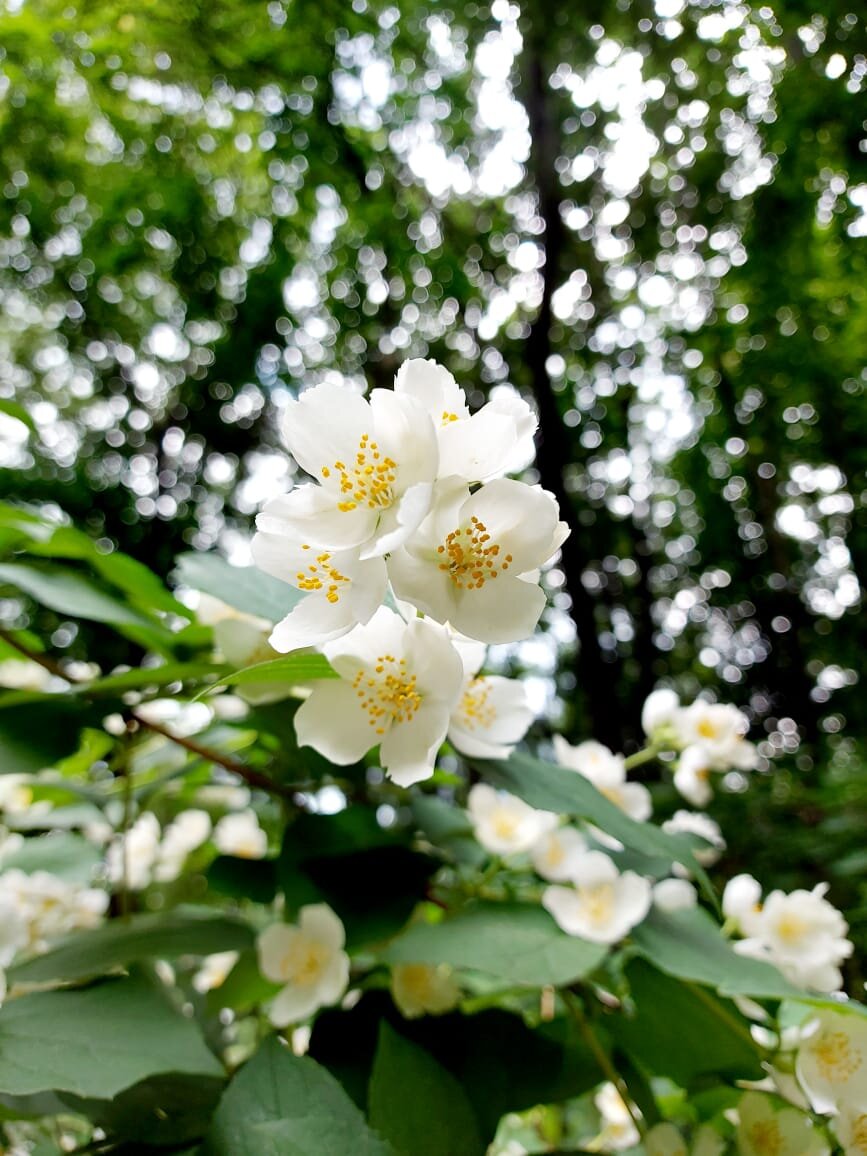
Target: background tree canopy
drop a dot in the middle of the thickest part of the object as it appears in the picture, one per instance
(649, 218)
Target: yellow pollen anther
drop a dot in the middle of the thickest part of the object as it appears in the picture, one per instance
(318, 574)
(475, 710)
(835, 1057)
(370, 481)
(448, 417)
(765, 1137)
(391, 697)
(471, 556)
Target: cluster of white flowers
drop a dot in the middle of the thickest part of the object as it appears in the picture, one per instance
(710, 737)
(409, 496)
(145, 854)
(589, 896)
(40, 907)
(801, 933)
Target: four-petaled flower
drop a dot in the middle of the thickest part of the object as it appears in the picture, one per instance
(308, 959)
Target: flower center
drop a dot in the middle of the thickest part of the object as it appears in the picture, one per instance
(388, 693)
(504, 824)
(835, 1058)
(447, 417)
(598, 902)
(858, 1138)
(555, 854)
(765, 1137)
(475, 709)
(321, 575)
(470, 558)
(369, 482)
(707, 729)
(791, 928)
(304, 961)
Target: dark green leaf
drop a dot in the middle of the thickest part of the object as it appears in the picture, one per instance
(519, 943)
(417, 1105)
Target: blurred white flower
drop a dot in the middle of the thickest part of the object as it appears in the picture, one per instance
(15, 794)
(659, 710)
(129, 861)
(602, 904)
(832, 1060)
(719, 728)
(801, 933)
(474, 561)
(39, 907)
(692, 776)
(240, 835)
(399, 683)
(308, 959)
(214, 970)
(695, 823)
(742, 902)
(607, 772)
(618, 1127)
(23, 674)
(666, 1140)
(850, 1128)
(375, 463)
(764, 1131)
(674, 895)
(556, 853)
(184, 834)
(424, 989)
(505, 824)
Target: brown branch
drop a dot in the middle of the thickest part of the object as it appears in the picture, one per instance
(250, 776)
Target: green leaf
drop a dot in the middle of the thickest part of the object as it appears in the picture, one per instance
(294, 668)
(283, 1105)
(554, 788)
(417, 1105)
(516, 942)
(70, 592)
(38, 731)
(167, 1109)
(13, 409)
(97, 1041)
(689, 945)
(245, 588)
(72, 857)
(682, 1030)
(120, 942)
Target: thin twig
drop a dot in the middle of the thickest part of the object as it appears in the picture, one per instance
(252, 777)
(603, 1059)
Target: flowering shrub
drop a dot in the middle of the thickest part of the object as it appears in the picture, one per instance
(246, 906)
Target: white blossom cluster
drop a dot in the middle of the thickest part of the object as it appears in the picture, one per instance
(409, 502)
(801, 933)
(709, 736)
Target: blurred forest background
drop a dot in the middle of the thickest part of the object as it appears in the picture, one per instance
(649, 218)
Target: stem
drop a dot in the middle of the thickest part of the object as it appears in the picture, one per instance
(647, 755)
(603, 1059)
(250, 776)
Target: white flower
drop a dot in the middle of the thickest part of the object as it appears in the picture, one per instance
(659, 710)
(832, 1060)
(214, 970)
(375, 461)
(674, 895)
(182, 718)
(607, 773)
(763, 1131)
(239, 834)
(187, 832)
(478, 447)
(40, 907)
(340, 589)
(15, 795)
(554, 856)
(492, 713)
(503, 823)
(618, 1127)
(23, 674)
(308, 958)
(850, 1128)
(666, 1140)
(602, 904)
(423, 989)
(742, 902)
(399, 683)
(802, 934)
(718, 728)
(692, 777)
(130, 859)
(694, 823)
(473, 562)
